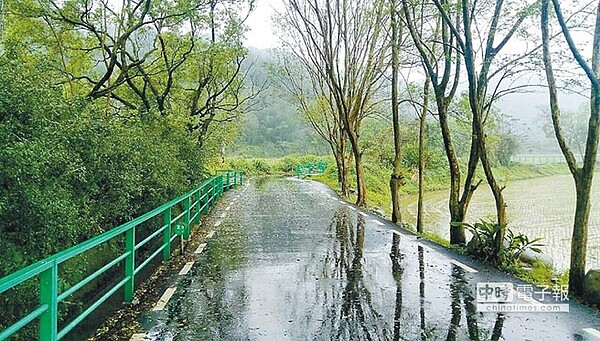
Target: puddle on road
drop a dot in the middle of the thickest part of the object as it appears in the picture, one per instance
(290, 263)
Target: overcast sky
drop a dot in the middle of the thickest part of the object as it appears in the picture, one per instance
(523, 106)
(261, 33)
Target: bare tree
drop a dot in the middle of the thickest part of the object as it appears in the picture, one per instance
(396, 176)
(438, 48)
(422, 142)
(314, 100)
(582, 174)
(479, 74)
(342, 41)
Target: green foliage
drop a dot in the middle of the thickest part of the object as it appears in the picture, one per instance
(68, 173)
(507, 256)
(281, 166)
(274, 128)
(540, 273)
(515, 245)
(543, 274)
(436, 239)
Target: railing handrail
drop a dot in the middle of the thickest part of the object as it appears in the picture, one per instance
(311, 166)
(47, 268)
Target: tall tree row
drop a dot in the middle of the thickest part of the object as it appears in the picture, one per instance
(479, 55)
(349, 46)
(582, 173)
(438, 49)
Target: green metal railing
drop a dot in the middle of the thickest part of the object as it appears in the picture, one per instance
(310, 168)
(181, 212)
(231, 177)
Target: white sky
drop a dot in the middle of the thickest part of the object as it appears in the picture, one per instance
(261, 33)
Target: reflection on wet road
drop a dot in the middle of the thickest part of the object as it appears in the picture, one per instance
(290, 261)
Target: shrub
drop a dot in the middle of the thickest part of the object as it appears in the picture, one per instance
(507, 257)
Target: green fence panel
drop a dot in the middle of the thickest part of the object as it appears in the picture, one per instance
(310, 168)
(47, 270)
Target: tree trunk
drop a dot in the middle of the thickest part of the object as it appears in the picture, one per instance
(342, 173)
(395, 183)
(456, 205)
(338, 164)
(339, 151)
(457, 231)
(580, 235)
(422, 127)
(396, 176)
(344, 183)
(496, 191)
(361, 195)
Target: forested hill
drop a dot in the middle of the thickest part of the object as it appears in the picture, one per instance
(272, 127)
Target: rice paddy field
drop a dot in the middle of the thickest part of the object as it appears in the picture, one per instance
(539, 207)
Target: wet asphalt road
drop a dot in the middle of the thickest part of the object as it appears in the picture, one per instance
(289, 261)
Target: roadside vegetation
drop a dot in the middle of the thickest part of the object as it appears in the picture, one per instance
(103, 117)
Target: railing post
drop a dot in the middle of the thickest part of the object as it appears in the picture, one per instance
(198, 206)
(167, 235)
(211, 196)
(241, 178)
(216, 190)
(48, 295)
(129, 263)
(220, 182)
(235, 178)
(227, 180)
(206, 200)
(186, 217)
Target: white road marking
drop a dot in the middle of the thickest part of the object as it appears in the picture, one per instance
(362, 214)
(424, 246)
(224, 214)
(162, 303)
(228, 208)
(464, 266)
(350, 207)
(138, 337)
(200, 248)
(396, 232)
(593, 332)
(186, 268)
(378, 222)
(210, 235)
(218, 223)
